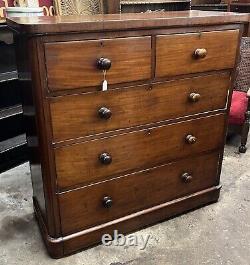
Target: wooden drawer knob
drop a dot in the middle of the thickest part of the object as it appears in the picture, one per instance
(104, 113)
(194, 97)
(107, 202)
(191, 139)
(186, 177)
(103, 64)
(105, 158)
(200, 53)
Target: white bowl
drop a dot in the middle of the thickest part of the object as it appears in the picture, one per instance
(24, 11)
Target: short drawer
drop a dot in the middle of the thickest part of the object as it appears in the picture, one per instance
(80, 115)
(100, 159)
(180, 54)
(100, 203)
(74, 64)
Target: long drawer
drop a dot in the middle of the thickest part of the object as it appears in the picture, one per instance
(100, 159)
(80, 115)
(112, 199)
(195, 52)
(74, 64)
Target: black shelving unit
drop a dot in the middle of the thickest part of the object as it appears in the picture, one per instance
(210, 7)
(128, 6)
(13, 150)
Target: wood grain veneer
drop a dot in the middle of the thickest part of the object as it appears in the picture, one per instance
(146, 188)
(79, 163)
(175, 53)
(136, 105)
(130, 62)
(117, 22)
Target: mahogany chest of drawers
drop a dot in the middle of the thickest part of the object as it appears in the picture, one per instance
(148, 148)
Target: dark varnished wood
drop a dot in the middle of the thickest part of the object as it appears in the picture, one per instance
(89, 237)
(195, 52)
(131, 61)
(142, 32)
(117, 152)
(141, 219)
(79, 163)
(71, 24)
(37, 133)
(145, 189)
(54, 244)
(30, 120)
(136, 105)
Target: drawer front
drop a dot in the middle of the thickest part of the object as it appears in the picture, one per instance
(90, 161)
(103, 202)
(74, 64)
(195, 52)
(80, 115)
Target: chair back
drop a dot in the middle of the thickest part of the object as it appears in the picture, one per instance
(242, 80)
(77, 7)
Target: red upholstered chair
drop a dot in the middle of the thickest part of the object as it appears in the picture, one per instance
(239, 117)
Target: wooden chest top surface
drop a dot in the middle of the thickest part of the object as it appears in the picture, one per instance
(76, 23)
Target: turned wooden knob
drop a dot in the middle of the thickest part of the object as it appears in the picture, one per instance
(194, 97)
(104, 113)
(200, 53)
(103, 64)
(105, 158)
(191, 139)
(107, 202)
(186, 177)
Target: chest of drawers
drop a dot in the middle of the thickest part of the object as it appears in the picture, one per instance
(148, 148)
